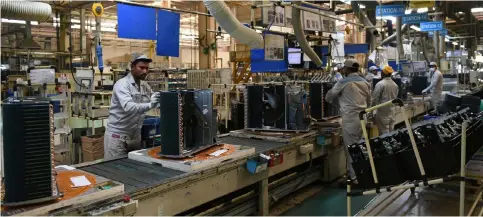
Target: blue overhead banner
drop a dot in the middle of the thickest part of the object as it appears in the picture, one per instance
(390, 10)
(168, 34)
(415, 18)
(130, 18)
(431, 26)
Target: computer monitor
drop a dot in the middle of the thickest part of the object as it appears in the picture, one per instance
(294, 56)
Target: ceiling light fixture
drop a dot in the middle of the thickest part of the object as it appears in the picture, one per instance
(476, 10)
(415, 28)
(33, 23)
(422, 10)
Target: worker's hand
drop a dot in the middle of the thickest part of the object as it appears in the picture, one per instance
(424, 92)
(155, 99)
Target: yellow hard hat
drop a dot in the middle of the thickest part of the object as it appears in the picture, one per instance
(387, 70)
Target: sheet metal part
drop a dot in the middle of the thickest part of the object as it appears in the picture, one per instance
(134, 175)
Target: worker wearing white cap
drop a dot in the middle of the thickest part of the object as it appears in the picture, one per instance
(338, 69)
(132, 97)
(373, 73)
(436, 86)
(354, 96)
(385, 90)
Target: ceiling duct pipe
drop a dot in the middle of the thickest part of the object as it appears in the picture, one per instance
(26, 10)
(222, 14)
(371, 29)
(393, 37)
(299, 34)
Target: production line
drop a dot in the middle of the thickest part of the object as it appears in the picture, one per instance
(240, 108)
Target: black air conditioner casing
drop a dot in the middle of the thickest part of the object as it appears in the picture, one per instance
(288, 116)
(187, 122)
(418, 84)
(28, 151)
(319, 108)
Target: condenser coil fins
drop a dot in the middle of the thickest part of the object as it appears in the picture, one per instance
(28, 127)
(186, 122)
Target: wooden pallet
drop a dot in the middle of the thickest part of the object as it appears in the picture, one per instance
(102, 189)
(200, 161)
(273, 135)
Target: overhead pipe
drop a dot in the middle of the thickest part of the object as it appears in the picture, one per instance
(393, 37)
(231, 25)
(299, 34)
(400, 48)
(370, 28)
(26, 10)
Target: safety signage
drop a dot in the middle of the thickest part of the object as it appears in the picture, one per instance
(390, 10)
(414, 18)
(431, 26)
(421, 4)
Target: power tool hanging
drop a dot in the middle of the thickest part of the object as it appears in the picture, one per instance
(98, 10)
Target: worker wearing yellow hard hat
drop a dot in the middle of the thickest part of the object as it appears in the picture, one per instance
(385, 90)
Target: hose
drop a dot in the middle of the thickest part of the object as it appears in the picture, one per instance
(231, 25)
(299, 34)
(26, 10)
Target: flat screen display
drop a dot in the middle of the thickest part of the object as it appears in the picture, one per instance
(294, 56)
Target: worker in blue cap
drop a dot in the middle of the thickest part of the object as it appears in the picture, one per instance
(372, 73)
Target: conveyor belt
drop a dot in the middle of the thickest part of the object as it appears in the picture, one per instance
(259, 145)
(137, 175)
(134, 175)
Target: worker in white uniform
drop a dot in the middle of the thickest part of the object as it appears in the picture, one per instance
(436, 86)
(385, 90)
(132, 97)
(354, 96)
(338, 69)
(373, 73)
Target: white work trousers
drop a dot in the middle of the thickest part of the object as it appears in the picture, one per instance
(384, 124)
(351, 133)
(117, 145)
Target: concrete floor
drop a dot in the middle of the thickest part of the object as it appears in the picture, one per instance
(328, 202)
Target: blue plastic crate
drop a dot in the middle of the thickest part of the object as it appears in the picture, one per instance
(429, 117)
(150, 127)
(256, 165)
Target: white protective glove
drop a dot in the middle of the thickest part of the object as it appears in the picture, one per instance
(155, 100)
(425, 91)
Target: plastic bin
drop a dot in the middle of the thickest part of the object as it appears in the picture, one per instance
(387, 168)
(150, 127)
(256, 164)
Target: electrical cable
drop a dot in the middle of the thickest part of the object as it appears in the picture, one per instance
(70, 47)
(306, 173)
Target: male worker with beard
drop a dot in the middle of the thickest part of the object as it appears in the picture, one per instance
(132, 97)
(436, 86)
(353, 93)
(385, 90)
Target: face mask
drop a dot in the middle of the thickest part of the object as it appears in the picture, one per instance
(432, 69)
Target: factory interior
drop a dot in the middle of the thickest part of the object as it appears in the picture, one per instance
(238, 108)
